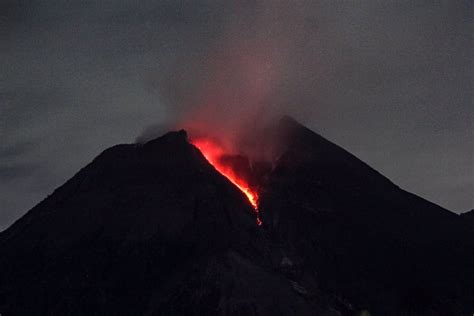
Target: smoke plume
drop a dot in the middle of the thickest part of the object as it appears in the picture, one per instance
(234, 89)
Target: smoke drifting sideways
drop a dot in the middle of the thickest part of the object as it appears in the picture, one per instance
(233, 93)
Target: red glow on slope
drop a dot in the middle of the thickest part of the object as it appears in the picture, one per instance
(213, 153)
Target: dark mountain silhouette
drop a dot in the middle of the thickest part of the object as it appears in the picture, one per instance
(362, 237)
(154, 229)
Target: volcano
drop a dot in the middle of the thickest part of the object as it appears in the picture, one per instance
(162, 228)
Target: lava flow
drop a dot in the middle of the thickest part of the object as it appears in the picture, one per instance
(213, 153)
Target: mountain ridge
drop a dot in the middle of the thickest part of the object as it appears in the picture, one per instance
(154, 229)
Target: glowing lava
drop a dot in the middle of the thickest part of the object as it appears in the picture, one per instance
(213, 153)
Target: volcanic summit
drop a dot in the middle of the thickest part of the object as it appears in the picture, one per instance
(171, 227)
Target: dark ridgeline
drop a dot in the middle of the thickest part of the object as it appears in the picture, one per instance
(154, 229)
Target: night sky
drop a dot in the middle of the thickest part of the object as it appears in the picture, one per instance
(390, 82)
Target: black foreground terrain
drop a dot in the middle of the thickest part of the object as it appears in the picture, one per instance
(154, 229)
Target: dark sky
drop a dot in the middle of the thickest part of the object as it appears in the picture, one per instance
(389, 81)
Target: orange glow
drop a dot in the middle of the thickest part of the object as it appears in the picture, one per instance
(213, 153)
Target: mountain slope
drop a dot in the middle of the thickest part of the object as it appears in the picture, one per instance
(143, 229)
(379, 247)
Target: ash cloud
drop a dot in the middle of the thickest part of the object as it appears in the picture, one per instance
(239, 84)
